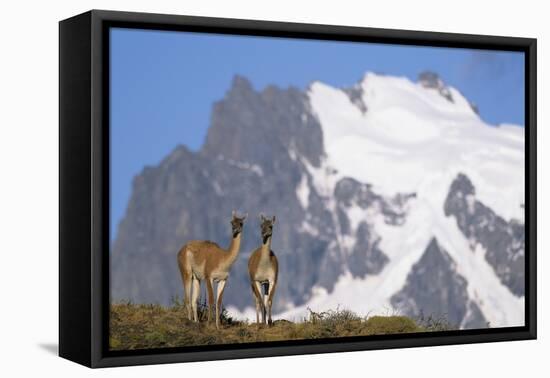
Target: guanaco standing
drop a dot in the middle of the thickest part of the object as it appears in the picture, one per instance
(200, 260)
(263, 269)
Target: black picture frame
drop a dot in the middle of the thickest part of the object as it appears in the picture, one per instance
(84, 186)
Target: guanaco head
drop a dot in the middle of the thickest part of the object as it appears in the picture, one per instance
(266, 226)
(237, 223)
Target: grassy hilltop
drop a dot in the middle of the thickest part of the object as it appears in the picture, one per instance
(153, 326)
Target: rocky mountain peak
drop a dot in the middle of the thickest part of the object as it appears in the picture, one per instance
(431, 80)
(461, 186)
(240, 84)
(434, 288)
(261, 127)
(502, 240)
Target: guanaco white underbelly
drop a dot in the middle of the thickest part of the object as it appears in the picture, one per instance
(264, 272)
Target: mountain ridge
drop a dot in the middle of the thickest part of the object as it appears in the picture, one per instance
(280, 151)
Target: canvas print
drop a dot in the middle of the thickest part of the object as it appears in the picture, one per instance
(270, 189)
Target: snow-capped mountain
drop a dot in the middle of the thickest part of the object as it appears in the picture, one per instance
(391, 195)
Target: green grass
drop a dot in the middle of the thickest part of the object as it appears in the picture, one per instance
(152, 326)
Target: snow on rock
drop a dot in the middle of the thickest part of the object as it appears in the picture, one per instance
(403, 245)
(411, 134)
(412, 139)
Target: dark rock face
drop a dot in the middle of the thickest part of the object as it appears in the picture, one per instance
(474, 107)
(503, 241)
(350, 192)
(432, 80)
(434, 288)
(248, 126)
(365, 257)
(429, 79)
(355, 95)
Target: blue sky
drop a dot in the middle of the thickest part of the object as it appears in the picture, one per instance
(163, 85)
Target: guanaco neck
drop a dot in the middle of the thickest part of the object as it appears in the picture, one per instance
(234, 247)
(266, 248)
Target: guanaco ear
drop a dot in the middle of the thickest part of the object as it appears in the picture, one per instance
(273, 221)
(262, 217)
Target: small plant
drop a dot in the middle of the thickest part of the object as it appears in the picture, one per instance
(432, 323)
(202, 311)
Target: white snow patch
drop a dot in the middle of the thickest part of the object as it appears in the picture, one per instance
(356, 216)
(497, 303)
(307, 228)
(243, 165)
(249, 313)
(302, 192)
(217, 188)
